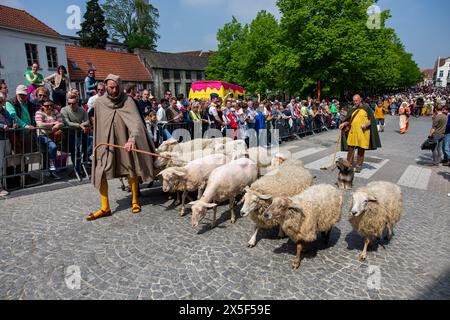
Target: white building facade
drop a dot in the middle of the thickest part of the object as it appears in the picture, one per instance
(21, 47)
(442, 73)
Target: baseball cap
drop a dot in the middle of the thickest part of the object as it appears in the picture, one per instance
(22, 89)
(214, 96)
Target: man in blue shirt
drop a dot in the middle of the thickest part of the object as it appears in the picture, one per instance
(90, 84)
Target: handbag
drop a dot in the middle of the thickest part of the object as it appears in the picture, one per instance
(429, 144)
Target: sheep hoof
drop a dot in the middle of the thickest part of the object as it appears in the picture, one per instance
(182, 213)
(362, 257)
(251, 244)
(295, 265)
(233, 221)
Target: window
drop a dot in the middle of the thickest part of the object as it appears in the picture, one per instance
(441, 73)
(177, 75)
(74, 65)
(166, 86)
(188, 88)
(52, 57)
(178, 88)
(32, 54)
(199, 75)
(166, 74)
(188, 75)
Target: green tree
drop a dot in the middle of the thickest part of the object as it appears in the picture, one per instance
(135, 22)
(93, 33)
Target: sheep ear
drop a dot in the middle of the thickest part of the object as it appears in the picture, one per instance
(179, 174)
(265, 197)
(373, 198)
(211, 205)
(297, 207)
(193, 203)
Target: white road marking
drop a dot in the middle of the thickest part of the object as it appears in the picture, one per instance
(416, 177)
(307, 152)
(325, 162)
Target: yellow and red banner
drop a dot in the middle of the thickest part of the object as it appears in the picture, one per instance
(204, 89)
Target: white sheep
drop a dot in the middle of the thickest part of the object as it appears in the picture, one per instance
(288, 180)
(225, 184)
(172, 145)
(316, 210)
(374, 209)
(193, 177)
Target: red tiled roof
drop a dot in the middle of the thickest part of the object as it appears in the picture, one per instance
(22, 20)
(427, 73)
(442, 61)
(126, 65)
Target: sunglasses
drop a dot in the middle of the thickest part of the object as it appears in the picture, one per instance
(72, 104)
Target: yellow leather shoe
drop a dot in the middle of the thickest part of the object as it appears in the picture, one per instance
(98, 215)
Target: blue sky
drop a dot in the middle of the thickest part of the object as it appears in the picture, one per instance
(423, 25)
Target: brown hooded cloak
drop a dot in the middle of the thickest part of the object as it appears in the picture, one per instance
(117, 120)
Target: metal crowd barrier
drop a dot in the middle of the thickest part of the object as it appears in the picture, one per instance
(28, 162)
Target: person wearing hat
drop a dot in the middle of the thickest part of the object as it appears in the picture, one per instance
(117, 121)
(214, 113)
(23, 112)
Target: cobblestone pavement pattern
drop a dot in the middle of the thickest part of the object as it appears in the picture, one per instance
(157, 254)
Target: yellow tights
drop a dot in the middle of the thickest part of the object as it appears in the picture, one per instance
(134, 184)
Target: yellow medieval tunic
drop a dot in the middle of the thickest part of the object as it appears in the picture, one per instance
(358, 137)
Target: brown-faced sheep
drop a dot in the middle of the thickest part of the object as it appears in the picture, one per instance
(288, 180)
(316, 210)
(374, 209)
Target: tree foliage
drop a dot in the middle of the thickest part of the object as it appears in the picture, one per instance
(326, 40)
(135, 22)
(93, 33)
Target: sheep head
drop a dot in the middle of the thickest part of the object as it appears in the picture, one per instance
(252, 200)
(161, 163)
(280, 208)
(360, 203)
(167, 145)
(171, 177)
(199, 209)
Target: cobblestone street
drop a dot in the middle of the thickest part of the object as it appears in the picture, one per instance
(158, 255)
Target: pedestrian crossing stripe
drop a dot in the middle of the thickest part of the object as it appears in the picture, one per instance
(307, 152)
(370, 167)
(416, 177)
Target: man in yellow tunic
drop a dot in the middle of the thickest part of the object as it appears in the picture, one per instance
(361, 132)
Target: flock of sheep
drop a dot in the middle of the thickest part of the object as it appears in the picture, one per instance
(220, 170)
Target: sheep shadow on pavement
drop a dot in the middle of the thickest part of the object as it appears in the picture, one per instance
(223, 219)
(311, 249)
(356, 242)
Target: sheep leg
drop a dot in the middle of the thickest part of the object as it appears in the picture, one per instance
(232, 214)
(252, 242)
(200, 193)
(183, 204)
(178, 201)
(296, 263)
(213, 224)
(363, 255)
(389, 233)
(281, 233)
(326, 236)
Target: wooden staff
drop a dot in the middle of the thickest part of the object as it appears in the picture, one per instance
(338, 145)
(134, 150)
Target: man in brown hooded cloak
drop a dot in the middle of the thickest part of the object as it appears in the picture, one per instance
(117, 121)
